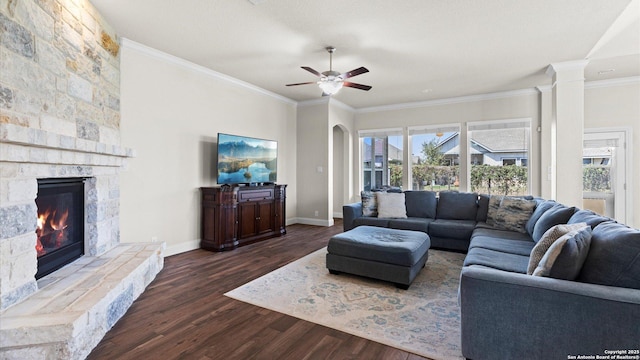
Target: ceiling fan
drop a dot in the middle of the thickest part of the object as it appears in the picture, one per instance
(332, 81)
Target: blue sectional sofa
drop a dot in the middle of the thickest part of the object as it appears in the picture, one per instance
(592, 309)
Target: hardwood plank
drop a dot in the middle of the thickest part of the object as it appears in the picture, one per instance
(183, 313)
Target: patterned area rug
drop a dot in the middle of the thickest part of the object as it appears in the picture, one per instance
(424, 320)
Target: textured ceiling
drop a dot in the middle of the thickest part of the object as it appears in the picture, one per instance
(416, 50)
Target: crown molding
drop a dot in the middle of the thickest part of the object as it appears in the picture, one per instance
(631, 80)
(447, 101)
(157, 54)
(554, 68)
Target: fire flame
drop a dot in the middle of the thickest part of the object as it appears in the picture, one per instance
(50, 229)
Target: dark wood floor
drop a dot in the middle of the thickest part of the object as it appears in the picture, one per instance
(184, 315)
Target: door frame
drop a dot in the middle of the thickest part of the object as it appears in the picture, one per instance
(624, 184)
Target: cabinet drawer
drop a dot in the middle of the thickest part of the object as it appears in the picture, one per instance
(254, 195)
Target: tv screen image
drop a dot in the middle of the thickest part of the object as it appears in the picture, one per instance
(243, 159)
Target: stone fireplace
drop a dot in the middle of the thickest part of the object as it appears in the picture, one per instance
(60, 120)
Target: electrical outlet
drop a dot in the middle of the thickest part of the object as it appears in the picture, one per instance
(154, 239)
(316, 213)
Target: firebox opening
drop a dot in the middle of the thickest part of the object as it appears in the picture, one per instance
(60, 230)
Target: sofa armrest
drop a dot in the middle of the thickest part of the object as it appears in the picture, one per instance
(349, 213)
(508, 315)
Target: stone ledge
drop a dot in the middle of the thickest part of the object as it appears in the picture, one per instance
(76, 305)
(11, 133)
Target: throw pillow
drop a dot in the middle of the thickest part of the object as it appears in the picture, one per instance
(391, 205)
(549, 237)
(558, 214)
(369, 204)
(513, 214)
(565, 257)
(494, 205)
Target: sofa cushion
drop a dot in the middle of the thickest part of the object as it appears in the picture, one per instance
(483, 207)
(484, 230)
(558, 214)
(369, 203)
(513, 214)
(452, 229)
(614, 256)
(497, 260)
(541, 208)
(411, 223)
(453, 205)
(587, 216)
(421, 204)
(518, 247)
(564, 258)
(391, 205)
(370, 221)
(549, 237)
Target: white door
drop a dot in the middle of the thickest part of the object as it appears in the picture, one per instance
(605, 174)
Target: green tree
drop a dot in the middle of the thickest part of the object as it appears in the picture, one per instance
(433, 155)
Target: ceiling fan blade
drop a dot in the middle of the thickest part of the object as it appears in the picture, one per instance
(304, 83)
(356, 86)
(354, 72)
(311, 71)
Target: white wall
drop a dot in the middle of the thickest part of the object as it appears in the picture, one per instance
(172, 112)
(313, 172)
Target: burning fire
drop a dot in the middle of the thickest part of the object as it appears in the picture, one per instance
(51, 230)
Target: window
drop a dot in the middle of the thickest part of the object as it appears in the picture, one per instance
(499, 152)
(382, 154)
(435, 157)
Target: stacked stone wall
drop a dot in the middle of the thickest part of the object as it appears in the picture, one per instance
(59, 117)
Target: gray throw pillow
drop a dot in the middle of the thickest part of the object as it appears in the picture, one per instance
(369, 204)
(558, 214)
(565, 257)
(391, 205)
(513, 214)
(549, 237)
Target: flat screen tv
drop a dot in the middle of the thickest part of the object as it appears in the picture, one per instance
(246, 160)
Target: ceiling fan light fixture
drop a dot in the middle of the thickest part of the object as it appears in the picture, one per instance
(330, 87)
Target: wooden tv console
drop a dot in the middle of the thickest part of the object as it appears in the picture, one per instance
(234, 215)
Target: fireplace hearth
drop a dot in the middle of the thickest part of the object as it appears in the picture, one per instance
(60, 226)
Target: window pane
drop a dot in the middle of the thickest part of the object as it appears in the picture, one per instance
(499, 154)
(435, 160)
(596, 175)
(382, 161)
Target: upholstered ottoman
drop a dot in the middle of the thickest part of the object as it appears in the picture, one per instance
(380, 253)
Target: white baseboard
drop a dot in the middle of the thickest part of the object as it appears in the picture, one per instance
(182, 247)
(311, 221)
(337, 214)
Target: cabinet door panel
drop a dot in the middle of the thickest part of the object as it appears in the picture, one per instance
(247, 214)
(265, 216)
